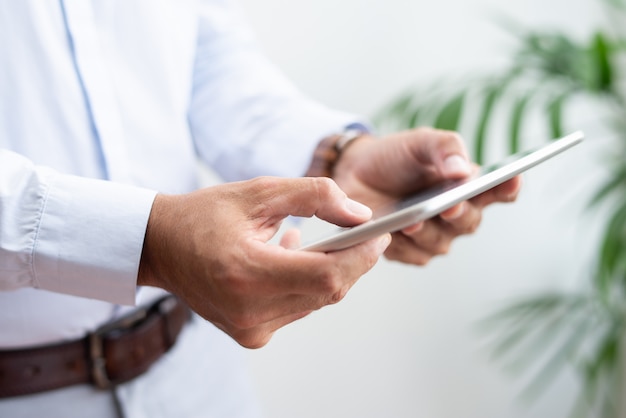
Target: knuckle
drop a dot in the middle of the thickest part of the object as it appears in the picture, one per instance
(338, 296)
(324, 183)
(472, 226)
(263, 189)
(252, 340)
(370, 259)
(455, 137)
(422, 260)
(264, 182)
(508, 198)
(393, 252)
(424, 131)
(330, 281)
(391, 256)
(451, 141)
(324, 187)
(440, 244)
(452, 137)
(442, 248)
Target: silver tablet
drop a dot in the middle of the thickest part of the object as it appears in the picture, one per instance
(432, 201)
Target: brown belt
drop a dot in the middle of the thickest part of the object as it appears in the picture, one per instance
(113, 354)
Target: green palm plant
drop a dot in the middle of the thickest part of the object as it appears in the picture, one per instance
(585, 330)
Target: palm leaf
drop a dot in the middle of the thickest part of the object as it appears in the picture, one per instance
(492, 94)
(616, 185)
(515, 126)
(570, 348)
(612, 262)
(618, 4)
(413, 118)
(529, 318)
(449, 116)
(555, 114)
(600, 54)
(599, 372)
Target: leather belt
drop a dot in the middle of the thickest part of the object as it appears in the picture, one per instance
(115, 353)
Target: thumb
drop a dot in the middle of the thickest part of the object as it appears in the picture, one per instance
(319, 196)
(446, 151)
(454, 166)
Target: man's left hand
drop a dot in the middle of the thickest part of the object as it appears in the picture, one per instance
(376, 171)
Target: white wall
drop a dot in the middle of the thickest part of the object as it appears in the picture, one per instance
(404, 341)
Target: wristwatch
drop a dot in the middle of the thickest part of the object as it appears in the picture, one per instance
(329, 150)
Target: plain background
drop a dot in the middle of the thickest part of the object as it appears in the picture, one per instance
(405, 341)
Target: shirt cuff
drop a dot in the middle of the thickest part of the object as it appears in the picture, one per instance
(90, 237)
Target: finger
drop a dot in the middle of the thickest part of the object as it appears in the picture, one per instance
(312, 273)
(464, 221)
(413, 228)
(304, 281)
(286, 282)
(505, 192)
(291, 239)
(309, 196)
(404, 249)
(434, 238)
(454, 212)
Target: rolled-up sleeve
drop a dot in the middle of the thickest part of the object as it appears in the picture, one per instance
(69, 234)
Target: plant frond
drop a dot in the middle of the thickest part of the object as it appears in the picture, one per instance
(555, 114)
(570, 347)
(515, 125)
(449, 117)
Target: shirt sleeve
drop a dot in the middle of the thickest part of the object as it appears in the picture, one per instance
(69, 234)
(246, 118)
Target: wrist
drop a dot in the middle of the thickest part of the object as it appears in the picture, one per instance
(330, 151)
(148, 271)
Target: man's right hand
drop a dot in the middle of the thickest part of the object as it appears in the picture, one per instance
(210, 248)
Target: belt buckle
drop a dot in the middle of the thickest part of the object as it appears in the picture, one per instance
(99, 373)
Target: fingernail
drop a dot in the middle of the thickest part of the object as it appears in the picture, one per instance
(358, 208)
(455, 164)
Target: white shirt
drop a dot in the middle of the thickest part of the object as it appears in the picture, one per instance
(103, 104)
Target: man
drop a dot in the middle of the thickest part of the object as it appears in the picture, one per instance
(105, 107)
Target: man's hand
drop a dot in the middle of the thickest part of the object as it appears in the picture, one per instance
(210, 248)
(376, 171)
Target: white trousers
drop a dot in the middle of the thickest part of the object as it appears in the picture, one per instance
(203, 376)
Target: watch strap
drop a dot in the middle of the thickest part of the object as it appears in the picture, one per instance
(329, 151)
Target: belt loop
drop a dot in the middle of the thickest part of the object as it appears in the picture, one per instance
(165, 306)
